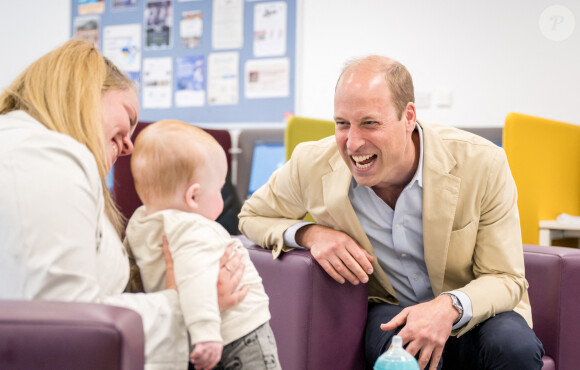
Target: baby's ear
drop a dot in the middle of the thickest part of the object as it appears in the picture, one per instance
(191, 194)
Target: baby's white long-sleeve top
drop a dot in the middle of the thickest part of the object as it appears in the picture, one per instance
(196, 244)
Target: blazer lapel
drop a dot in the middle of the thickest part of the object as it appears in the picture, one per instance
(335, 186)
(440, 196)
(335, 193)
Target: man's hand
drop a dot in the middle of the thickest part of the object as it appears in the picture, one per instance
(338, 254)
(427, 328)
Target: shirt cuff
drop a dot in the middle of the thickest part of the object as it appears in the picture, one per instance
(467, 309)
(290, 234)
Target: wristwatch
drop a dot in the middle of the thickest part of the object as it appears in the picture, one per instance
(457, 305)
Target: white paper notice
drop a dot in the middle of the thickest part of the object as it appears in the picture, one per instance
(223, 78)
(122, 45)
(157, 84)
(270, 29)
(267, 78)
(228, 24)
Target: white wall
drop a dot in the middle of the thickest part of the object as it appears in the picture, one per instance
(29, 29)
(489, 54)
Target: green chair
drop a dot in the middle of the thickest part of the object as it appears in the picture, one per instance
(544, 157)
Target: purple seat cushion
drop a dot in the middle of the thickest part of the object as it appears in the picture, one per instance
(65, 335)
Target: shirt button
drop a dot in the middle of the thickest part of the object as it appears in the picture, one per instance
(415, 277)
(403, 255)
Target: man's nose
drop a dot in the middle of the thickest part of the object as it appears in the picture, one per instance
(355, 139)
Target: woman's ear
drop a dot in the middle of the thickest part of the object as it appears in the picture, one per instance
(191, 194)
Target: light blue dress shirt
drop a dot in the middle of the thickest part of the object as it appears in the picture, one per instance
(397, 238)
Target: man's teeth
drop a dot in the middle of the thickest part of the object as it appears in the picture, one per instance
(115, 150)
(361, 158)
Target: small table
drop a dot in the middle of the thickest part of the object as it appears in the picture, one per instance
(552, 229)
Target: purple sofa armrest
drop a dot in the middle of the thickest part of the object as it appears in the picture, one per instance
(318, 323)
(67, 335)
(554, 277)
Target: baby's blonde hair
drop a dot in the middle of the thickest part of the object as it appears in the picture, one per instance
(168, 155)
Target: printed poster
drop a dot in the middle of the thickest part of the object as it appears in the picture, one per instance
(122, 45)
(157, 82)
(267, 78)
(158, 24)
(191, 28)
(91, 7)
(124, 4)
(87, 28)
(135, 78)
(270, 29)
(222, 78)
(227, 24)
(190, 82)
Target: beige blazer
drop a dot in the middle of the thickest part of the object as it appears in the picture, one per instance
(471, 228)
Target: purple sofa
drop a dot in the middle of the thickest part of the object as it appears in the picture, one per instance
(64, 335)
(319, 323)
(554, 277)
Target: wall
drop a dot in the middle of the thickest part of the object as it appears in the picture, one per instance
(489, 55)
(29, 29)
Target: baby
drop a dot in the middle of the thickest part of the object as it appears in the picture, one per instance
(179, 171)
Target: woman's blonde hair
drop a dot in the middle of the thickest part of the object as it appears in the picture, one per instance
(63, 90)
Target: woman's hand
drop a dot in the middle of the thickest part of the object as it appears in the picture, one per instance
(230, 275)
(169, 275)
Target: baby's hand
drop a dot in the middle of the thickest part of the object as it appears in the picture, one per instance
(206, 355)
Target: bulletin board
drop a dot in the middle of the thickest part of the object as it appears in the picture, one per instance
(199, 61)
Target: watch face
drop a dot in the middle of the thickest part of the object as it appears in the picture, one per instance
(457, 305)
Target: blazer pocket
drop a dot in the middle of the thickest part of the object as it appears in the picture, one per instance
(461, 246)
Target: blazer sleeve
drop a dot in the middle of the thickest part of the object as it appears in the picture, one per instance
(276, 206)
(498, 264)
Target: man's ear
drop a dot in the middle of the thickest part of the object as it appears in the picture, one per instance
(191, 194)
(410, 116)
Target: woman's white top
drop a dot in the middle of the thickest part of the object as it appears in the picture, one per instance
(56, 242)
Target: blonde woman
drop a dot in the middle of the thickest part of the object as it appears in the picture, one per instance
(63, 123)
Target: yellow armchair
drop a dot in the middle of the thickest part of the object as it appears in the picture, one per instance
(299, 129)
(544, 157)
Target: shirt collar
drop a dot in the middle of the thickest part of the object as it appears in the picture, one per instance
(419, 174)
